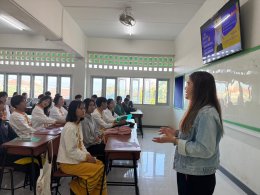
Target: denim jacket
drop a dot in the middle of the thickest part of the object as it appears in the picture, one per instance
(197, 152)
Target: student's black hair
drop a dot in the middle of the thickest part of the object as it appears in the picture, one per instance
(86, 102)
(78, 96)
(47, 93)
(74, 105)
(24, 93)
(109, 101)
(16, 100)
(15, 93)
(40, 96)
(3, 94)
(126, 100)
(100, 100)
(94, 96)
(56, 99)
(118, 98)
(46, 110)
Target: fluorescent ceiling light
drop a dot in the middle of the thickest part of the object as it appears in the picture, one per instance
(13, 22)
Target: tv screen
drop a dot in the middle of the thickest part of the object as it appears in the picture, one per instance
(221, 35)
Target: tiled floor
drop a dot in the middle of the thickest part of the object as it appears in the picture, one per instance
(156, 176)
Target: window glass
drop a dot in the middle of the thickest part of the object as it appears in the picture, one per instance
(123, 87)
(149, 91)
(65, 87)
(97, 87)
(52, 85)
(2, 78)
(38, 85)
(26, 84)
(162, 92)
(11, 84)
(137, 90)
(110, 88)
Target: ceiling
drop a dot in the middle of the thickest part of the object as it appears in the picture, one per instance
(155, 19)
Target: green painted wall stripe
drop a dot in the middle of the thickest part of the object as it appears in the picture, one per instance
(256, 129)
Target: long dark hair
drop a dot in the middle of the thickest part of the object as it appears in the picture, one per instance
(56, 99)
(46, 109)
(203, 93)
(86, 102)
(74, 105)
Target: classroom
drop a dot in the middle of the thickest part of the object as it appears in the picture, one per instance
(125, 72)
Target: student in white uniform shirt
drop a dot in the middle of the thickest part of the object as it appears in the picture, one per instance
(40, 112)
(58, 112)
(19, 120)
(109, 114)
(3, 98)
(98, 114)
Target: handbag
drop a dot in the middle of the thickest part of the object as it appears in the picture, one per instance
(43, 186)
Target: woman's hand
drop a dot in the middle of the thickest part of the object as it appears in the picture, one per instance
(164, 139)
(90, 159)
(168, 131)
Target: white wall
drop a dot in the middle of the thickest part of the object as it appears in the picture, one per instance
(48, 18)
(153, 115)
(240, 152)
(26, 41)
(47, 12)
(130, 46)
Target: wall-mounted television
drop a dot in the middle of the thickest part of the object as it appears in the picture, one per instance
(221, 34)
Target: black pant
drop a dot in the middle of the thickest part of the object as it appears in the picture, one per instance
(98, 150)
(196, 185)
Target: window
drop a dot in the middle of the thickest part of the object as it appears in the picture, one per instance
(97, 86)
(137, 90)
(123, 88)
(162, 92)
(142, 90)
(2, 79)
(25, 84)
(149, 91)
(11, 84)
(65, 87)
(52, 85)
(38, 85)
(110, 88)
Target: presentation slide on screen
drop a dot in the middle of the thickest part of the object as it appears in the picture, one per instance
(221, 36)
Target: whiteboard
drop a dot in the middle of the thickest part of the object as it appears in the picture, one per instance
(238, 87)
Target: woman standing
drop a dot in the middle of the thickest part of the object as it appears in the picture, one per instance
(197, 153)
(75, 159)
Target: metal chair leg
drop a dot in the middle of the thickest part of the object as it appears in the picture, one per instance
(12, 181)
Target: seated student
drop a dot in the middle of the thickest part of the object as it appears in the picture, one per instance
(126, 107)
(98, 115)
(78, 97)
(20, 163)
(58, 112)
(48, 93)
(3, 98)
(40, 112)
(94, 97)
(19, 120)
(130, 104)
(92, 137)
(75, 159)
(119, 110)
(109, 113)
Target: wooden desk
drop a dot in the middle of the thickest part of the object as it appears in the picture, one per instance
(53, 132)
(28, 148)
(124, 147)
(139, 115)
